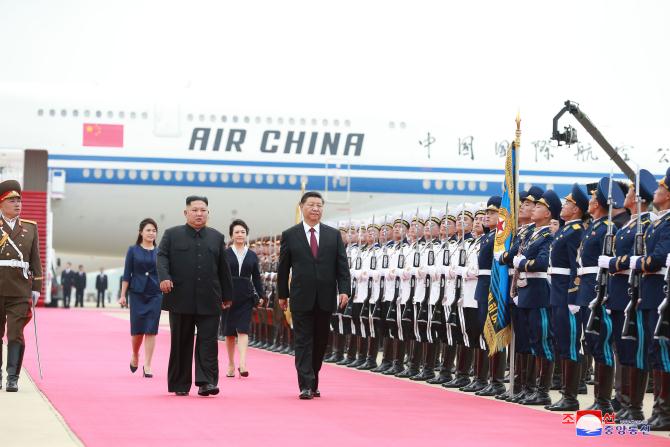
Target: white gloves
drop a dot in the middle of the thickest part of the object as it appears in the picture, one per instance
(392, 274)
(633, 261)
(36, 297)
(364, 275)
(516, 300)
(667, 261)
(573, 308)
(517, 260)
(451, 272)
(406, 274)
(604, 261)
(461, 300)
(421, 272)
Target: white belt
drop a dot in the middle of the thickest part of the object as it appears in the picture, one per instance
(529, 275)
(663, 271)
(485, 273)
(623, 272)
(558, 271)
(588, 270)
(14, 263)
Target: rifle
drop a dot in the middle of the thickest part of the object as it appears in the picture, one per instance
(597, 305)
(452, 319)
(409, 311)
(365, 310)
(662, 330)
(376, 313)
(394, 307)
(436, 320)
(358, 264)
(629, 331)
(423, 307)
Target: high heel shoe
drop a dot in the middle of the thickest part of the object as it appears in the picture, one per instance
(243, 373)
(133, 368)
(145, 374)
(231, 372)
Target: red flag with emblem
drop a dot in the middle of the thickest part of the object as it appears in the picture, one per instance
(103, 135)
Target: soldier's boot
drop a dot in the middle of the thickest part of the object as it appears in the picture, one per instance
(329, 346)
(361, 352)
(519, 388)
(496, 386)
(541, 395)
(387, 356)
(605, 381)
(571, 375)
(351, 352)
(275, 343)
(267, 333)
(650, 386)
(655, 378)
(371, 358)
(662, 420)
(590, 371)
(448, 356)
(291, 343)
(557, 379)
(338, 347)
(430, 359)
(531, 379)
(582, 389)
(464, 361)
(637, 385)
(15, 352)
(623, 393)
(398, 359)
(481, 373)
(412, 368)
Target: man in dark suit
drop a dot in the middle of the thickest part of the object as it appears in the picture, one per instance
(315, 257)
(195, 279)
(101, 288)
(79, 287)
(67, 281)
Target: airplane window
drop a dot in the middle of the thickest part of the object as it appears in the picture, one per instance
(179, 176)
(63, 113)
(236, 178)
(336, 123)
(235, 119)
(268, 120)
(144, 174)
(86, 173)
(426, 184)
(213, 176)
(291, 121)
(87, 113)
(167, 176)
(438, 184)
(132, 174)
(313, 121)
(98, 113)
(450, 185)
(145, 115)
(247, 178)
(304, 179)
(391, 124)
(40, 112)
(460, 185)
(246, 119)
(324, 122)
(257, 120)
(52, 112)
(189, 117)
(224, 118)
(97, 173)
(110, 114)
(122, 114)
(280, 120)
(190, 176)
(109, 174)
(472, 185)
(224, 177)
(269, 179)
(343, 181)
(292, 180)
(483, 186)
(402, 124)
(212, 118)
(133, 115)
(549, 186)
(281, 179)
(121, 174)
(75, 113)
(155, 175)
(258, 178)
(303, 121)
(202, 177)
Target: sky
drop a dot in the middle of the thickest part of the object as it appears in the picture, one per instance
(465, 64)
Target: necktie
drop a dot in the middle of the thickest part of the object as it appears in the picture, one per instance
(312, 243)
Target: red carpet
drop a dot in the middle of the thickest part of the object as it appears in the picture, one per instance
(85, 357)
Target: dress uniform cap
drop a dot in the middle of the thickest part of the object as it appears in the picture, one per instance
(9, 189)
(601, 193)
(534, 193)
(648, 185)
(523, 195)
(494, 203)
(551, 200)
(579, 197)
(665, 181)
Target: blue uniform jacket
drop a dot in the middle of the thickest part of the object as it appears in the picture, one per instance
(536, 292)
(657, 247)
(563, 255)
(590, 249)
(485, 262)
(617, 286)
(522, 235)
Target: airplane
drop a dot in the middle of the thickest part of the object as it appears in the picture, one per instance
(116, 157)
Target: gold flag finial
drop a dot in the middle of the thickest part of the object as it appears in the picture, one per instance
(517, 140)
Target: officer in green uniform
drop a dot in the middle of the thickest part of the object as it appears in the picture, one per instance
(20, 277)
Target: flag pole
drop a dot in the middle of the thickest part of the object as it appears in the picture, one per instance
(515, 197)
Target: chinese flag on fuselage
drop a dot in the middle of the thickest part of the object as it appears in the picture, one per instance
(103, 135)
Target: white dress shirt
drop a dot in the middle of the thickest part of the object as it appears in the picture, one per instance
(317, 229)
(12, 222)
(240, 257)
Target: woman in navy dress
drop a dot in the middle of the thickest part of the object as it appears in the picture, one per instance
(140, 282)
(247, 293)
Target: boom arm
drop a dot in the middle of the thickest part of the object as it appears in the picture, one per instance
(570, 136)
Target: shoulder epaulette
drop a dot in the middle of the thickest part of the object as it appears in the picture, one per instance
(576, 226)
(28, 221)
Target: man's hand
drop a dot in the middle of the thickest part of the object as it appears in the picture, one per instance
(226, 304)
(166, 286)
(36, 297)
(283, 303)
(122, 300)
(344, 299)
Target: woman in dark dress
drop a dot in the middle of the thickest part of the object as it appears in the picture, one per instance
(247, 293)
(140, 282)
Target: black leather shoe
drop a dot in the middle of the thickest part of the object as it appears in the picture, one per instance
(316, 393)
(367, 366)
(345, 361)
(306, 395)
(133, 368)
(181, 393)
(457, 382)
(383, 366)
(334, 358)
(208, 390)
(407, 373)
(439, 380)
(582, 388)
(474, 386)
(393, 370)
(12, 385)
(357, 363)
(565, 404)
(494, 389)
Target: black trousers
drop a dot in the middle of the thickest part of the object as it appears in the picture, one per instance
(67, 296)
(311, 337)
(100, 299)
(79, 298)
(182, 330)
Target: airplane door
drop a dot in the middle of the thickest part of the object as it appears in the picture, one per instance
(337, 181)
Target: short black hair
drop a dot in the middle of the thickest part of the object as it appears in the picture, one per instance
(309, 194)
(190, 199)
(235, 223)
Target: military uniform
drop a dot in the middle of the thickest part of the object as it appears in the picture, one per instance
(20, 281)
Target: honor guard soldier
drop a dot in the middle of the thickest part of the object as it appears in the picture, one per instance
(653, 354)
(370, 276)
(354, 257)
(533, 296)
(339, 337)
(633, 380)
(587, 257)
(563, 274)
(385, 289)
(20, 278)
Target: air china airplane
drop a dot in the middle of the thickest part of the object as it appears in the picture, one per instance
(115, 159)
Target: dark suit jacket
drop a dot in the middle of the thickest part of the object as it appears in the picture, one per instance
(67, 279)
(313, 281)
(80, 280)
(196, 263)
(101, 282)
(247, 284)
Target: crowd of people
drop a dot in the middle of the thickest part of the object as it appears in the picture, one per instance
(421, 281)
